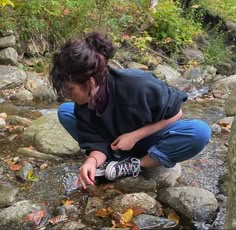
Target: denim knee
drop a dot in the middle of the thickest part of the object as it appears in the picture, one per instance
(201, 137)
(61, 112)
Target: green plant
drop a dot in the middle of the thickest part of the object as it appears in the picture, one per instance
(216, 51)
(169, 27)
(6, 3)
(47, 20)
(224, 8)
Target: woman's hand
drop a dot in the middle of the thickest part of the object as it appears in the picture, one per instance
(124, 142)
(87, 173)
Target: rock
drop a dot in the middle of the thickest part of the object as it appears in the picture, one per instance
(3, 124)
(38, 155)
(7, 41)
(23, 95)
(16, 120)
(135, 65)
(7, 194)
(40, 94)
(165, 72)
(171, 77)
(144, 221)
(6, 33)
(11, 77)
(226, 120)
(226, 68)
(25, 171)
(8, 56)
(72, 225)
(141, 200)
(164, 177)
(230, 104)
(135, 184)
(93, 204)
(223, 88)
(194, 203)
(193, 54)
(48, 136)
(215, 129)
(11, 217)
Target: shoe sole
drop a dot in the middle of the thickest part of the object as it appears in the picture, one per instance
(99, 173)
(108, 170)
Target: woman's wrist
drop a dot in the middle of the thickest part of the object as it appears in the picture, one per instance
(94, 159)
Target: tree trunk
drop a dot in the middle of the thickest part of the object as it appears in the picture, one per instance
(230, 220)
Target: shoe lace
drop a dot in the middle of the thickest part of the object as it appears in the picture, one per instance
(128, 168)
(103, 166)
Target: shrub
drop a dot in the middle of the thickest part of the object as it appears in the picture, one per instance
(171, 29)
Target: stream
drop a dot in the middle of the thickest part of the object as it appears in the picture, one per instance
(206, 170)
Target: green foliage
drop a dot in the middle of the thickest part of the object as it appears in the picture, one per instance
(142, 42)
(6, 3)
(224, 8)
(49, 20)
(216, 51)
(170, 28)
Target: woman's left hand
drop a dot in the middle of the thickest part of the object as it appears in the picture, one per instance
(124, 142)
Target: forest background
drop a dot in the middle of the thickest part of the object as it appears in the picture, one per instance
(137, 27)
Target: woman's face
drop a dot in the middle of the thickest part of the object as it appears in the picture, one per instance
(78, 93)
(82, 93)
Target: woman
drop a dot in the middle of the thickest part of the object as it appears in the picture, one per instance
(126, 120)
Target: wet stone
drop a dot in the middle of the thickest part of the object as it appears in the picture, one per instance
(140, 200)
(194, 203)
(7, 194)
(72, 225)
(137, 184)
(150, 222)
(2, 124)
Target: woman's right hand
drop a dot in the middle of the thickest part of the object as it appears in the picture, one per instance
(87, 173)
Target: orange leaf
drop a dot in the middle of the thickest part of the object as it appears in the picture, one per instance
(15, 167)
(58, 219)
(43, 166)
(103, 213)
(173, 216)
(35, 217)
(137, 211)
(68, 202)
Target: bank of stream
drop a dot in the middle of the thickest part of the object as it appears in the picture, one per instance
(206, 170)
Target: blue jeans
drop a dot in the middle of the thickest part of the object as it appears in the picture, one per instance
(177, 142)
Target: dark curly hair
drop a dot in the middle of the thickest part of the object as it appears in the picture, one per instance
(81, 59)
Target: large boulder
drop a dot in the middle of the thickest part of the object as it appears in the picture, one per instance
(223, 88)
(48, 136)
(8, 56)
(230, 104)
(11, 77)
(7, 41)
(230, 220)
(194, 203)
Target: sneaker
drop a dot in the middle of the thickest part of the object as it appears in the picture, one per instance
(100, 171)
(127, 167)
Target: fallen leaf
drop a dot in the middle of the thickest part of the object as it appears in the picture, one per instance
(174, 216)
(15, 167)
(127, 216)
(137, 211)
(31, 177)
(35, 217)
(43, 166)
(102, 213)
(58, 219)
(68, 202)
(195, 6)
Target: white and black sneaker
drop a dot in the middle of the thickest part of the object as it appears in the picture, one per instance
(127, 167)
(100, 171)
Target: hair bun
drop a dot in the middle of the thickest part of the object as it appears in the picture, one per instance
(101, 44)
